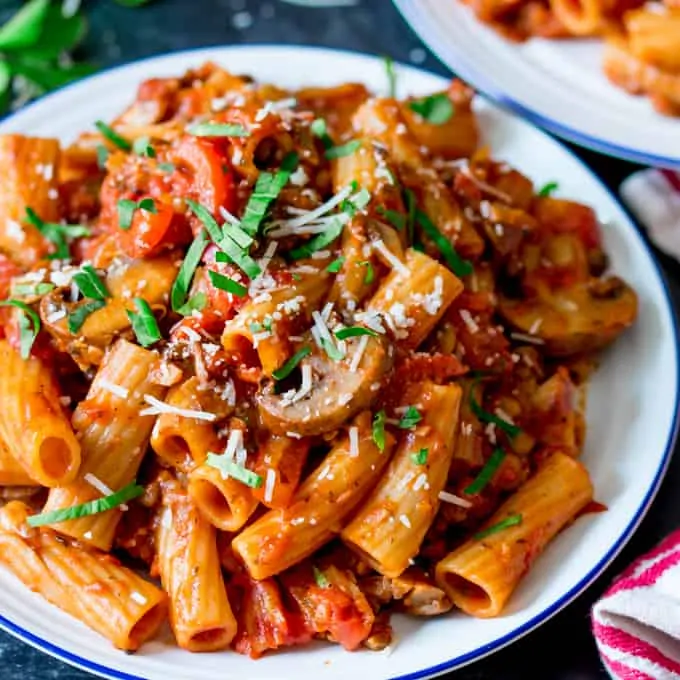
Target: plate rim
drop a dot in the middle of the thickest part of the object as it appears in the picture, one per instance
(418, 22)
(547, 613)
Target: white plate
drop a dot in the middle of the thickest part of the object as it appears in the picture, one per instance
(557, 84)
(631, 414)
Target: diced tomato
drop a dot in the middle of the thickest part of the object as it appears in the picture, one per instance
(153, 231)
(211, 185)
(263, 621)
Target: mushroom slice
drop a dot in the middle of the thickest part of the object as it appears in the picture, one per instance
(331, 391)
(582, 318)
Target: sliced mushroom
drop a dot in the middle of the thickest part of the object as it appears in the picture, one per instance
(338, 390)
(150, 279)
(581, 318)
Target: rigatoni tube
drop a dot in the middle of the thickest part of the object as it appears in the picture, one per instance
(481, 574)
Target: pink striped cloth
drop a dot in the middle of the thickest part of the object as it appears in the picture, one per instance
(653, 196)
(637, 621)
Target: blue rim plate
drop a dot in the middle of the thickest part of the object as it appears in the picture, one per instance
(631, 404)
(557, 85)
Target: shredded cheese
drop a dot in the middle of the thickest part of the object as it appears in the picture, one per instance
(420, 482)
(354, 441)
(523, 337)
(270, 481)
(447, 497)
(138, 597)
(469, 321)
(405, 521)
(393, 261)
(535, 326)
(116, 390)
(156, 407)
(359, 353)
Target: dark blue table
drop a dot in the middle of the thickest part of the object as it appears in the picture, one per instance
(563, 648)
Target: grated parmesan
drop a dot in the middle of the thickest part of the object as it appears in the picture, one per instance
(405, 521)
(420, 482)
(359, 353)
(270, 481)
(523, 337)
(156, 407)
(535, 326)
(469, 321)
(454, 500)
(393, 261)
(354, 441)
(116, 390)
(138, 597)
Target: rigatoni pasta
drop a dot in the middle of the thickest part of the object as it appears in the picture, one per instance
(309, 357)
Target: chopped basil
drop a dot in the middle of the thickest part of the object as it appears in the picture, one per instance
(166, 167)
(332, 350)
(487, 472)
(267, 188)
(29, 325)
(225, 283)
(127, 208)
(320, 578)
(320, 130)
(113, 136)
(456, 263)
(229, 468)
(32, 289)
(142, 147)
(370, 272)
(77, 317)
(144, 323)
(209, 222)
(343, 150)
(511, 521)
(379, 429)
(102, 156)
(395, 218)
(232, 252)
(335, 266)
(420, 457)
(436, 109)
(486, 417)
(195, 303)
(356, 202)
(127, 493)
(291, 364)
(353, 332)
(218, 130)
(410, 419)
(319, 241)
(23, 28)
(90, 284)
(182, 284)
(548, 189)
(58, 234)
(391, 77)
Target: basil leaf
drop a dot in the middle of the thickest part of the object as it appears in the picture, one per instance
(127, 493)
(90, 284)
(320, 578)
(23, 29)
(290, 365)
(410, 419)
(225, 283)
(353, 332)
(379, 429)
(229, 468)
(548, 189)
(113, 136)
(195, 303)
(511, 521)
(459, 266)
(218, 130)
(436, 109)
(144, 324)
(420, 458)
(487, 472)
(29, 325)
(142, 147)
(343, 150)
(335, 266)
(182, 284)
(77, 317)
(319, 241)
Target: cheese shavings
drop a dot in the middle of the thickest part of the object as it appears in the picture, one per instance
(157, 407)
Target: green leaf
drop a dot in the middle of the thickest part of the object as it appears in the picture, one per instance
(459, 266)
(267, 189)
(209, 222)
(77, 317)
(142, 147)
(320, 578)
(47, 76)
(29, 325)
(394, 217)
(420, 458)
(58, 234)
(410, 419)
(144, 323)
(319, 241)
(487, 472)
(182, 284)
(23, 29)
(511, 521)
(290, 365)
(166, 167)
(218, 130)
(90, 284)
(5, 84)
(335, 266)
(229, 468)
(379, 429)
(319, 129)
(353, 332)
(113, 136)
(487, 417)
(127, 493)
(32, 289)
(232, 252)
(343, 150)
(225, 283)
(59, 35)
(436, 109)
(102, 156)
(195, 303)
(126, 212)
(548, 189)
(332, 350)
(370, 272)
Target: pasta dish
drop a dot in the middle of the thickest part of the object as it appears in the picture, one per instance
(277, 364)
(642, 39)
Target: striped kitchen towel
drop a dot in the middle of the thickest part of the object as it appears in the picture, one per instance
(637, 621)
(653, 196)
